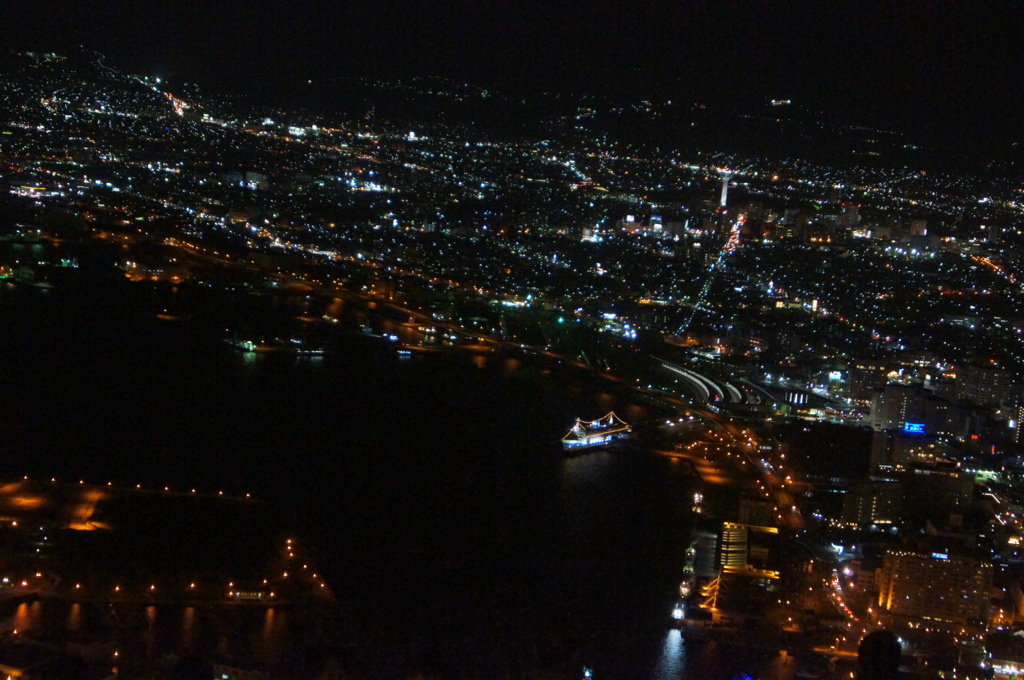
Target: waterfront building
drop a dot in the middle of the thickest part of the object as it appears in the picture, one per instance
(732, 546)
(747, 549)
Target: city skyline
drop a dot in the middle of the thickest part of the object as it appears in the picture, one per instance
(285, 385)
(945, 72)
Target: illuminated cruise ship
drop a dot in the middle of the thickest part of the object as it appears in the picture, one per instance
(590, 433)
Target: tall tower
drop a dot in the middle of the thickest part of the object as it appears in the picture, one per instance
(725, 188)
(723, 219)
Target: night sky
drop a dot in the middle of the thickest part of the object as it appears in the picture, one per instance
(938, 67)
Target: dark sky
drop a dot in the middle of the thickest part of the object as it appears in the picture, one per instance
(933, 65)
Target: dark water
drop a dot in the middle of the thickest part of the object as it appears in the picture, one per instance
(261, 633)
(432, 492)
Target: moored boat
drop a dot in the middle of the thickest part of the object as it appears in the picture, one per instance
(587, 434)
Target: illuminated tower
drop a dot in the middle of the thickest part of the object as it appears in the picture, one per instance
(725, 188)
(723, 219)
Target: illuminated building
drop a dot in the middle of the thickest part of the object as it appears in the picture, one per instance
(895, 405)
(893, 450)
(255, 179)
(985, 384)
(1016, 415)
(732, 546)
(866, 376)
(738, 553)
(934, 590)
(872, 503)
(1006, 649)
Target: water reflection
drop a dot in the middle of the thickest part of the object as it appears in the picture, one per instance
(157, 630)
(273, 635)
(188, 627)
(74, 620)
(635, 413)
(335, 308)
(585, 482)
(590, 467)
(268, 624)
(150, 636)
(26, 616)
(671, 664)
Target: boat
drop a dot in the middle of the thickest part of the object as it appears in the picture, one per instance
(291, 346)
(686, 586)
(588, 434)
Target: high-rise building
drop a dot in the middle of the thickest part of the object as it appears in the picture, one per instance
(849, 218)
(865, 376)
(736, 549)
(881, 453)
(896, 405)
(936, 415)
(1015, 424)
(873, 502)
(984, 384)
(896, 450)
(732, 546)
(936, 491)
(935, 589)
